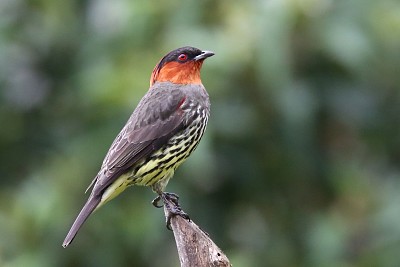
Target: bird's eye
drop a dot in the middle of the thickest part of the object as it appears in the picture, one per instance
(182, 57)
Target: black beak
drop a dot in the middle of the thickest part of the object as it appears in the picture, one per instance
(204, 55)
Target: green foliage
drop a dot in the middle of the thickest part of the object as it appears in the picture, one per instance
(300, 162)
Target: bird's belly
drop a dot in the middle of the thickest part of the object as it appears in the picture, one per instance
(163, 163)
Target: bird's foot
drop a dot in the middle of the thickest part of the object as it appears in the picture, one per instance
(171, 203)
(171, 196)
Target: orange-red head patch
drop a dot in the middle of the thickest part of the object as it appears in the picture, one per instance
(181, 66)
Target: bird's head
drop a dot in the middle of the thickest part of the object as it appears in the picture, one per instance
(180, 66)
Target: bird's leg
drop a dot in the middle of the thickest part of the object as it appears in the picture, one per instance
(171, 203)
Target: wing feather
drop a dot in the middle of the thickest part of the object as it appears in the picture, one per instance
(155, 120)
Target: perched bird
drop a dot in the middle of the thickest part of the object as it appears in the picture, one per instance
(161, 133)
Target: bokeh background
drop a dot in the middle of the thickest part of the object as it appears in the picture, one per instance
(299, 165)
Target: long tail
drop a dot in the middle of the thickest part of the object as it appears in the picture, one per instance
(89, 207)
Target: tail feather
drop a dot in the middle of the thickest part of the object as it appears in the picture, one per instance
(89, 207)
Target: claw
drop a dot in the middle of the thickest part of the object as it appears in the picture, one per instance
(156, 201)
(171, 203)
(175, 212)
(173, 197)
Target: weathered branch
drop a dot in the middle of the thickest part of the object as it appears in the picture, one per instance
(195, 247)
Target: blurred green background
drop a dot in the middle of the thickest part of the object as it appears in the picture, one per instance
(299, 165)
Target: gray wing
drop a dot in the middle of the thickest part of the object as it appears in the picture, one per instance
(155, 120)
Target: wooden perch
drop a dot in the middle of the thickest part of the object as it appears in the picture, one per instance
(195, 247)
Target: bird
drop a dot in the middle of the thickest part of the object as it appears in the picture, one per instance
(163, 130)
